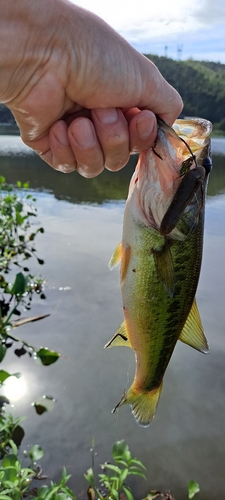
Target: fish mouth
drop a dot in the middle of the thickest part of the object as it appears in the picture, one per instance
(194, 133)
(177, 150)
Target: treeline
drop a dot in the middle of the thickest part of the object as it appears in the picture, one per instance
(200, 83)
(6, 115)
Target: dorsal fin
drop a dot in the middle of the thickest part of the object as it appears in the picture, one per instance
(193, 333)
(120, 337)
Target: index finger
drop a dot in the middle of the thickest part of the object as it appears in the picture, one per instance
(161, 98)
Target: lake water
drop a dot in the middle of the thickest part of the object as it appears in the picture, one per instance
(83, 223)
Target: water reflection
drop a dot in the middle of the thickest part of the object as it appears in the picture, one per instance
(14, 388)
(187, 438)
(74, 188)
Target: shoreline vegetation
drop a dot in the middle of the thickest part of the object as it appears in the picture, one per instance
(19, 468)
(200, 83)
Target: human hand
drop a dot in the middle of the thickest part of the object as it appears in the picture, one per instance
(83, 98)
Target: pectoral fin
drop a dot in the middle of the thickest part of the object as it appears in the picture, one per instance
(116, 257)
(120, 337)
(192, 333)
(164, 268)
(122, 254)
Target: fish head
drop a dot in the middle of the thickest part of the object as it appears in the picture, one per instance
(161, 169)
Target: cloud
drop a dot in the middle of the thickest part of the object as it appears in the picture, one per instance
(210, 12)
(172, 18)
(197, 25)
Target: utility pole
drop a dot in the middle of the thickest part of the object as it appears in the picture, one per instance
(179, 51)
(166, 49)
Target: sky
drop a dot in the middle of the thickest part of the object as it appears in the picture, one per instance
(180, 29)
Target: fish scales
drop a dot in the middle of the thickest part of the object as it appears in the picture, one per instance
(159, 274)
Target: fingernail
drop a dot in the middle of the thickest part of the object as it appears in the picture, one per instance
(106, 115)
(82, 132)
(144, 126)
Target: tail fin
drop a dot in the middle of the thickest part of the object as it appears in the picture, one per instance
(143, 404)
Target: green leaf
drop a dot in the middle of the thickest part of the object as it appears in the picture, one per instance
(137, 462)
(137, 473)
(10, 474)
(13, 446)
(115, 493)
(18, 435)
(19, 285)
(4, 375)
(65, 477)
(19, 206)
(112, 467)
(47, 356)
(150, 495)
(107, 483)
(64, 495)
(193, 488)
(52, 492)
(36, 453)
(3, 350)
(26, 185)
(46, 403)
(8, 199)
(19, 219)
(119, 461)
(128, 493)
(9, 460)
(122, 477)
(40, 261)
(3, 400)
(42, 492)
(121, 450)
(89, 476)
(27, 475)
(103, 477)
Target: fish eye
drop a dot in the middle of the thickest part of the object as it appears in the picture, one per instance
(207, 164)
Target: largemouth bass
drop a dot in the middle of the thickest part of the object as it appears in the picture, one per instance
(161, 254)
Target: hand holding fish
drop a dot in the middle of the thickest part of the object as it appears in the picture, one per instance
(83, 98)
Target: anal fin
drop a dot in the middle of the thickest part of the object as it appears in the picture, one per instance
(120, 338)
(193, 333)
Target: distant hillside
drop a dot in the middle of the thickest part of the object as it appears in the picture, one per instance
(200, 83)
(6, 115)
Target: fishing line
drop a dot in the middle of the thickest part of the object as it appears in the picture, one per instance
(170, 130)
(189, 149)
(117, 412)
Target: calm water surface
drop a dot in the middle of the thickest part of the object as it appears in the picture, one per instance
(83, 223)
